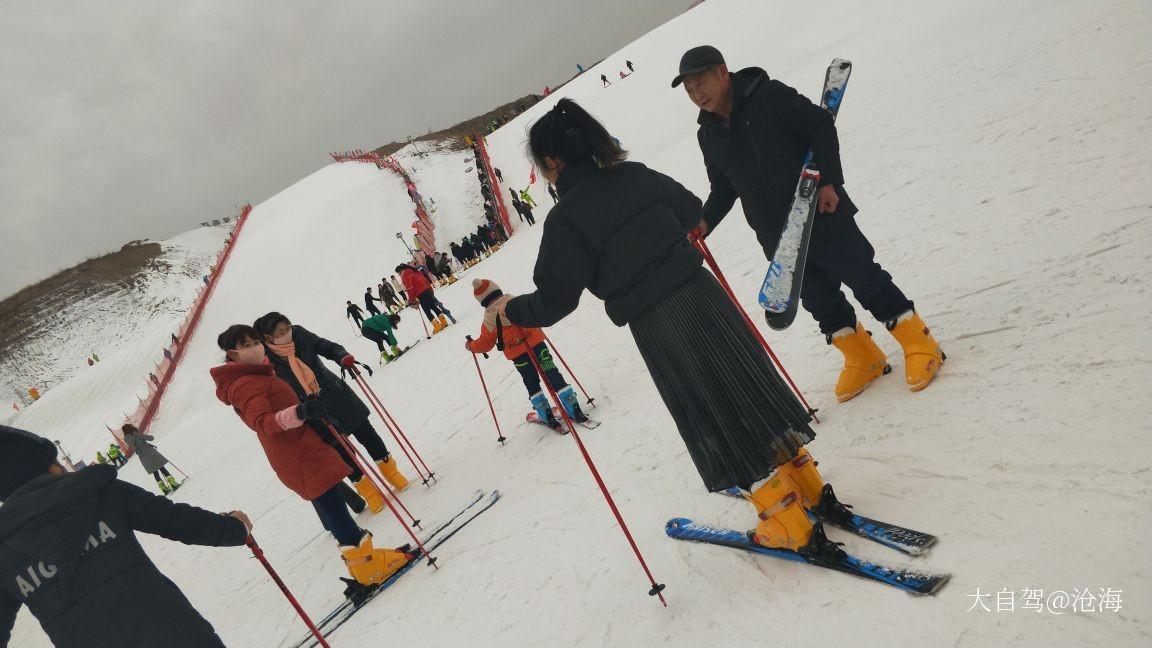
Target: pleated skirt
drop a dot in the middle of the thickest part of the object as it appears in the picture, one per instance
(737, 417)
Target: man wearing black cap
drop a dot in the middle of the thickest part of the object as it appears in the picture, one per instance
(69, 552)
(754, 134)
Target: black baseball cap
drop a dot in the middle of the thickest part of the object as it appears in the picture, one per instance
(696, 60)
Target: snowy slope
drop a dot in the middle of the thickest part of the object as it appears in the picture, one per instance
(128, 328)
(990, 148)
(447, 180)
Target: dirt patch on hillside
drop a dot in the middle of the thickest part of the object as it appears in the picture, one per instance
(20, 313)
(479, 124)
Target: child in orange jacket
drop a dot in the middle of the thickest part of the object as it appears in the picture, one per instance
(515, 338)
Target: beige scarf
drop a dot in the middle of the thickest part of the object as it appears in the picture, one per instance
(303, 372)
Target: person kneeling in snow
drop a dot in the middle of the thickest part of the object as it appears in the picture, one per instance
(514, 340)
(68, 550)
(289, 432)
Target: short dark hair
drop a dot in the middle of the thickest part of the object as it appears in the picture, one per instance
(569, 133)
(234, 335)
(128, 428)
(268, 322)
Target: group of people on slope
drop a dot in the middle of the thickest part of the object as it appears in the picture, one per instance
(625, 233)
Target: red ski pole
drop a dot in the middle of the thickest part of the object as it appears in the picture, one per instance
(394, 428)
(591, 401)
(259, 553)
(499, 435)
(703, 248)
(657, 588)
(384, 488)
(427, 335)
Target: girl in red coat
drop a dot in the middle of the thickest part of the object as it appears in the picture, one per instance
(301, 459)
(515, 338)
(420, 290)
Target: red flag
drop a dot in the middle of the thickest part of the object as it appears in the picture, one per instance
(532, 178)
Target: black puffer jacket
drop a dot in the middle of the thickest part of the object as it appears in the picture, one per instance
(757, 155)
(618, 232)
(341, 402)
(69, 552)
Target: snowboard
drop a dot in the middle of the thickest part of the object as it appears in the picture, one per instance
(780, 292)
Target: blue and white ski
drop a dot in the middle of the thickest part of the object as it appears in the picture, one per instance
(780, 292)
(438, 536)
(903, 578)
(894, 536)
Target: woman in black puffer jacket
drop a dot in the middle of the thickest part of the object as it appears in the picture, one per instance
(620, 230)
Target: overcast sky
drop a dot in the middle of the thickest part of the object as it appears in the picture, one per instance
(127, 120)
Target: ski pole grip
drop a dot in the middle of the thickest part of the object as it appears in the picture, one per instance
(469, 338)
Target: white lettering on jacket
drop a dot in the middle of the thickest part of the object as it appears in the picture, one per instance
(41, 571)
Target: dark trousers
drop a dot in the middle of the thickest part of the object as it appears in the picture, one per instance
(528, 371)
(334, 515)
(359, 320)
(372, 308)
(162, 471)
(369, 438)
(432, 306)
(378, 337)
(529, 217)
(846, 257)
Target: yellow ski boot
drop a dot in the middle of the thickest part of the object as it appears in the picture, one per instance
(923, 356)
(391, 472)
(784, 524)
(863, 361)
(372, 496)
(371, 566)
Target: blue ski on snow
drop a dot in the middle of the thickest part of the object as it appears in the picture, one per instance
(893, 536)
(899, 577)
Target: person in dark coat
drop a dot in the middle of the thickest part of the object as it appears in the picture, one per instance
(552, 192)
(68, 551)
(387, 295)
(620, 231)
(368, 299)
(526, 212)
(290, 433)
(295, 354)
(355, 313)
(499, 176)
(754, 134)
(150, 458)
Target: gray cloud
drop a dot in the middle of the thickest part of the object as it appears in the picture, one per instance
(130, 120)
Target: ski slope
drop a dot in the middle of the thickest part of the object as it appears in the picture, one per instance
(128, 327)
(996, 153)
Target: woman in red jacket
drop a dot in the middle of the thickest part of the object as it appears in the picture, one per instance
(300, 458)
(420, 290)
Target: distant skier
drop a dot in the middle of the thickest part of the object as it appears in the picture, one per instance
(629, 65)
(526, 197)
(754, 133)
(295, 354)
(150, 458)
(552, 192)
(579, 69)
(68, 551)
(526, 213)
(115, 456)
(623, 75)
(420, 290)
(499, 176)
(388, 296)
(290, 433)
(515, 337)
(368, 299)
(380, 329)
(605, 80)
(353, 311)
(398, 287)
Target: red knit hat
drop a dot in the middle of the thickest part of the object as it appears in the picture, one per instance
(483, 288)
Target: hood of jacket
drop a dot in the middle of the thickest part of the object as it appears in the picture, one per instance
(229, 372)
